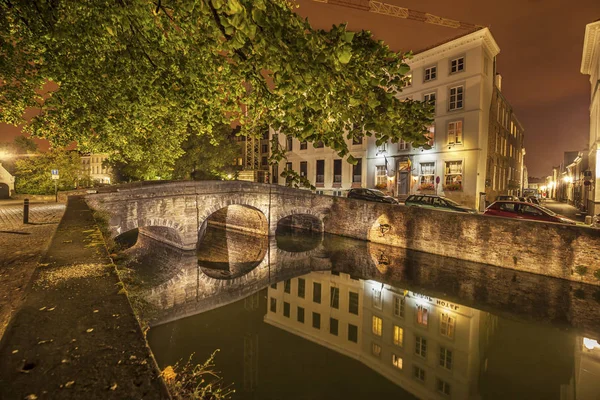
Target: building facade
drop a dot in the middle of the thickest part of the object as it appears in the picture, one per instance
(430, 347)
(7, 183)
(590, 65)
(93, 166)
(506, 152)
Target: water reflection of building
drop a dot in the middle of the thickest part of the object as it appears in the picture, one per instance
(430, 347)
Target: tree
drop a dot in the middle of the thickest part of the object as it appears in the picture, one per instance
(134, 77)
(208, 157)
(33, 174)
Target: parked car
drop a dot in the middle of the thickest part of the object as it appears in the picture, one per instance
(533, 200)
(371, 195)
(521, 210)
(507, 198)
(437, 202)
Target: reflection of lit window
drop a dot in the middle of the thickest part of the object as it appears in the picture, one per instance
(376, 350)
(274, 286)
(353, 333)
(335, 297)
(377, 300)
(443, 387)
(421, 346)
(398, 336)
(317, 292)
(273, 305)
(316, 320)
(396, 361)
(353, 303)
(399, 306)
(419, 373)
(286, 309)
(447, 325)
(422, 315)
(377, 325)
(301, 287)
(301, 314)
(445, 358)
(287, 285)
(333, 326)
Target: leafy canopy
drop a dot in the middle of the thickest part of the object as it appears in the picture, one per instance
(33, 174)
(134, 77)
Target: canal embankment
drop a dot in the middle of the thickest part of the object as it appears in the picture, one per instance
(75, 335)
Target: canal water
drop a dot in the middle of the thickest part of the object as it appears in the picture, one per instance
(304, 316)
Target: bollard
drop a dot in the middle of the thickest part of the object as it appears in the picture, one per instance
(26, 211)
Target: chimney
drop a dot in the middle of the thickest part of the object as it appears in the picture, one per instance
(498, 82)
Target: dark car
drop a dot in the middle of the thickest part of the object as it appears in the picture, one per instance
(371, 195)
(521, 210)
(533, 200)
(436, 202)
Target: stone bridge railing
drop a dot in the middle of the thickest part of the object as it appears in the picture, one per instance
(567, 252)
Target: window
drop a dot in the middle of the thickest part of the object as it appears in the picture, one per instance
(333, 326)
(429, 98)
(399, 306)
(303, 145)
(286, 309)
(430, 73)
(457, 65)
(422, 315)
(456, 98)
(419, 373)
(377, 326)
(353, 333)
(288, 167)
(335, 297)
(421, 346)
(377, 299)
(376, 349)
(300, 316)
(408, 79)
(396, 361)
(455, 135)
(273, 305)
(357, 138)
(380, 175)
(320, 171)
(337, 171)
(445, 358)
(316, 320)
(398, 336)
(264, 148)
(317, 292)
(443, 387)
(430, 135)
(427, 176)
(318, 145)
(303, 168)
(402, 145)
(454, 175)
(275, 173)
(357, 171)
(301, 287)
(274, 286)
(353, 303)
(447, 323)
(287, 286)
(381, 149)
(289, 143)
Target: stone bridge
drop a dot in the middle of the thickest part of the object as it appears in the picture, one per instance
(178, 213)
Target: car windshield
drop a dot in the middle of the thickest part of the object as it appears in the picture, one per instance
(547, 210)
(377, 192)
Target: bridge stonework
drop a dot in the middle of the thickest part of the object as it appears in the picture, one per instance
(567, 252)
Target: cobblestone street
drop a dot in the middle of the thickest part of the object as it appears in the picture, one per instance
(21, 247)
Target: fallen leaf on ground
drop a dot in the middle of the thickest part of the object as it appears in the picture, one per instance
(89, 330)
(51, 309)
(45, 341)
(69, 384)
(113, 386)
(15, 351)
(96, 311)
(42, 309)
(31, 397)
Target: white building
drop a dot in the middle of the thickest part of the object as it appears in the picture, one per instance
(590, 65)
(93, 165)
(7, 183)
(458, 77)
(430, 347)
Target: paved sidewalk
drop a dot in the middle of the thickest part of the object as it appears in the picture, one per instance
(75, 336)
(564, 209)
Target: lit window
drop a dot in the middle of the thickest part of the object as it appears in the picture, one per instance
(445, 358)
(402, 145)
(454, 175)
(447, 325)
(455, 132)
(419, 373)
(430, 135)
(421, 346)
(427, 176)
(443, 387)
(457, 65)
(456, 98)
(377, 326)
(380, 176)
(376, 349)
(422, 315)
(399, 306)
(377, 299)
(398, 336)
(396, 361)
(430, 73)
(408, 79)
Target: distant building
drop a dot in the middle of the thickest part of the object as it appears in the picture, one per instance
(590, 65)
(7, 183)
(93, 166)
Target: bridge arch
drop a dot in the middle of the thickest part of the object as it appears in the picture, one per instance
(301, 218)
(161, 229)
(234, 215)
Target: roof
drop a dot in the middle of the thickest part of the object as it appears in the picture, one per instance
(591, 44)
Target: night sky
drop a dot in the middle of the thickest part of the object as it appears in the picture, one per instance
(541, 44)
